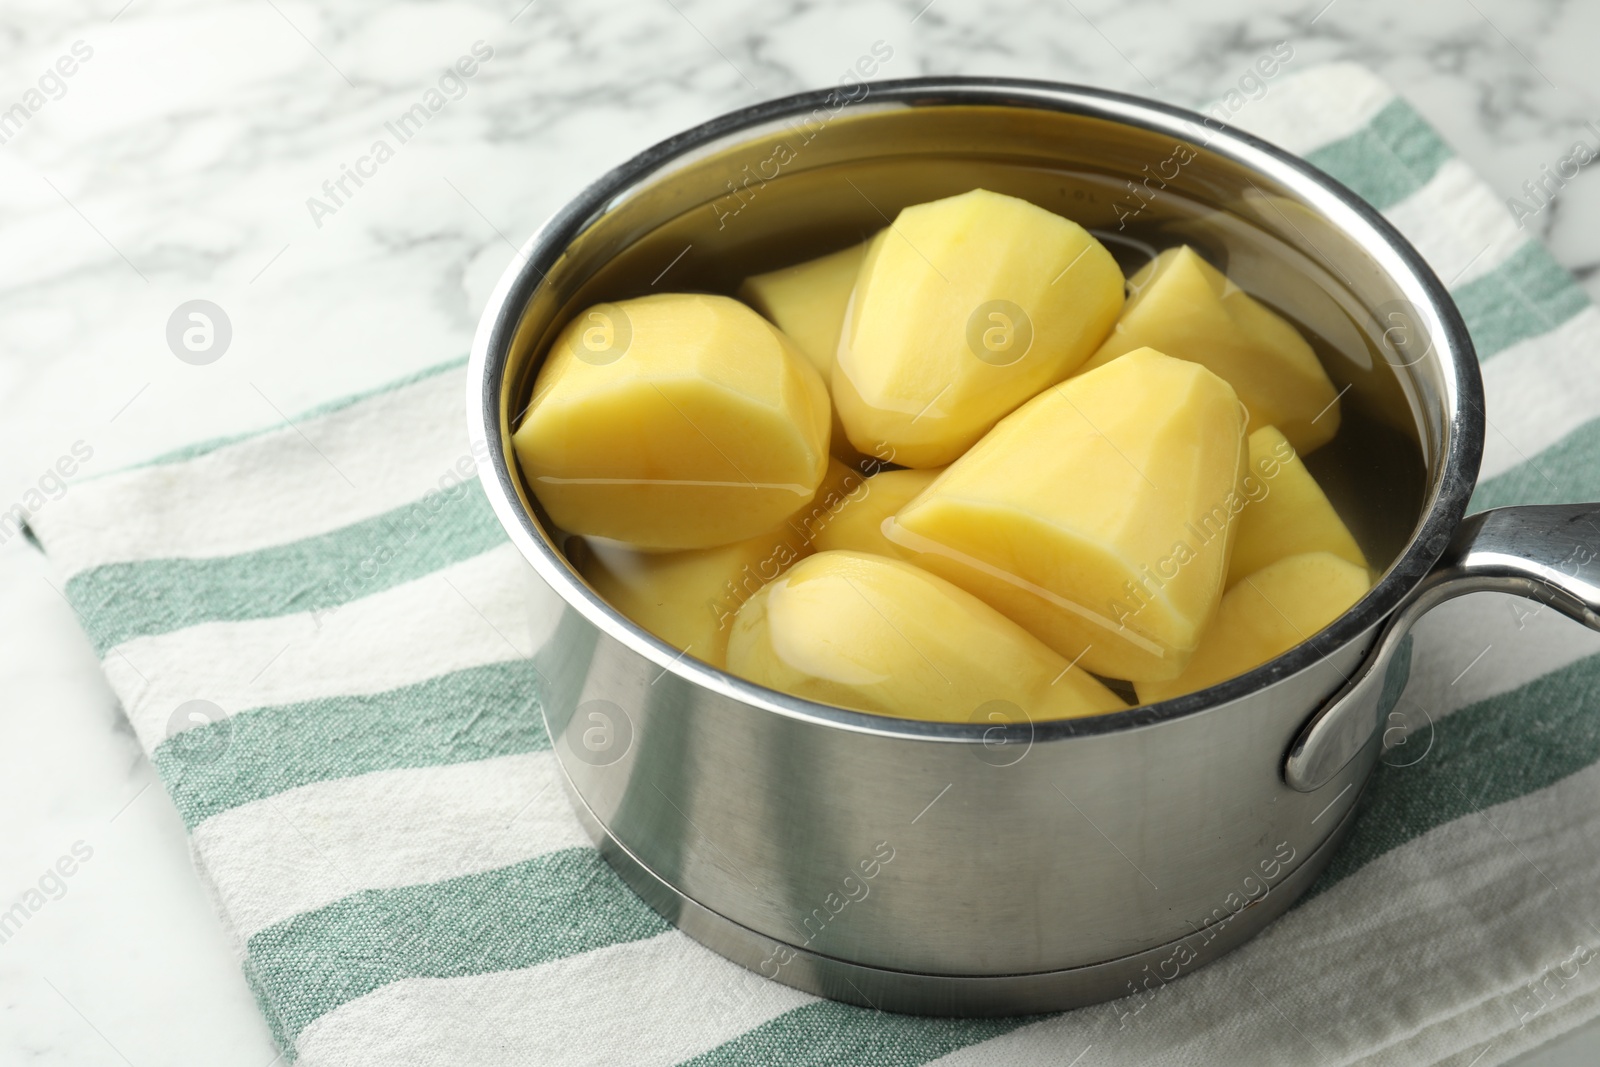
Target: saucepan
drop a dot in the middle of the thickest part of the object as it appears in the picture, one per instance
(974, 868)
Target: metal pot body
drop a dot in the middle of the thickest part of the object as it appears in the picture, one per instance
(969, 869)
(820, 845)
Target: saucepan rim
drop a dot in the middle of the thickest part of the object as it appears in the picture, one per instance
(1444, 504)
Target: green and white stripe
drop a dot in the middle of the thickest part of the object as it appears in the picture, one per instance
(275, 856)
(356, 649)
(659, 1000)
(380, 819)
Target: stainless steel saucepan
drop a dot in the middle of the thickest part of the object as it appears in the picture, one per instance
(974, 869)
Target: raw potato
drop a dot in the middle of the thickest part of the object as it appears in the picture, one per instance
(1294, 516)
(859, 525)
(1185, 307)
(880, 635)
(841, 488)
(929, 359)
(674, 421)
(1265, 615)
(689, 599)
(1097, 515)
(1089, 487)
(808, 303)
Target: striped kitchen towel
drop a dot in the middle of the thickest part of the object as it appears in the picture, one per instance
(319, 634)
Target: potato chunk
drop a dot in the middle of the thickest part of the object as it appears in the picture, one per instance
(964, 309)
(674, 421)
(859, 525)
(879, 635)
(1265, 615)
(1097, 515)
(1185, 307)
(689, 598)
(808, 303)
(1293, 517)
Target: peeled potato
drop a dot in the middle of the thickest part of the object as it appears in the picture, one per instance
(674, 421)
(841, 488)
(1265, 615)
(1097, 515)
(964, 309)
(1293, 516)
(859, 525)
(808, 303)
(1185, 307)
(689, 598)
(880, 635)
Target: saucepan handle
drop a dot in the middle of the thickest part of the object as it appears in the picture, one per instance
(1545, 552)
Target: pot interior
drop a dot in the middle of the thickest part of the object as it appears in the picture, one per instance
(766, 190)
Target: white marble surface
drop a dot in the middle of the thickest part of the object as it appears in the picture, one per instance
(176, 165)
